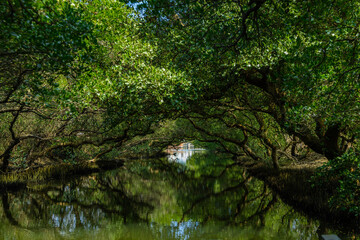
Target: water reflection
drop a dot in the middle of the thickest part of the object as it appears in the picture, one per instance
(209, 198)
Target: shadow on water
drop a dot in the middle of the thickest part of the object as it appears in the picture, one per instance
(205, 198)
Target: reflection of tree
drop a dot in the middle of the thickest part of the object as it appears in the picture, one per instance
(5, 203)
(225, 194)
(221, 193)
(210, 195)
(235, 205)
(88, 203)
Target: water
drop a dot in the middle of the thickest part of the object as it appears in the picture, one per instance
(204, 197)
(182, 155)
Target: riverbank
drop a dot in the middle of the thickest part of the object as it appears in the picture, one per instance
(45, 170)
(294, 186)
(56, 171)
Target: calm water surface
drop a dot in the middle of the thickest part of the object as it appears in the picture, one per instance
(201, 197)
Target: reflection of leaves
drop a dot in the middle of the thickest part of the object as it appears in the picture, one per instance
(210, 195)
(121, 198)
(81, 198)
(7, 209)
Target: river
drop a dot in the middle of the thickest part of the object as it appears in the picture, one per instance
(195, 195)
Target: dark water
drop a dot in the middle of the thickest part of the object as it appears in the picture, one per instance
(205, 198)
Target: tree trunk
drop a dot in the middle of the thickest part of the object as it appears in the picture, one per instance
(274, 158)
(331, 142)
(7, 154)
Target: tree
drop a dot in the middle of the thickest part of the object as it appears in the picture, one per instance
(40, 40)
(292, 63)
(78, 80)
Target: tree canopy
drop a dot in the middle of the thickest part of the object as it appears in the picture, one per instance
(266, 68)
(77, 75)
(255, 78)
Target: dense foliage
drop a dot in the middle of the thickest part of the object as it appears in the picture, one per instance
(262, 80)
(344, 172)
(291, 65)
(77, 81)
